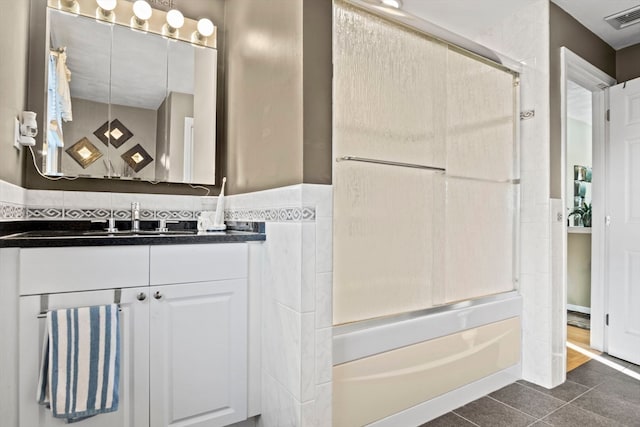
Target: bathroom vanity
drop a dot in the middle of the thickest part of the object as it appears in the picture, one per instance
(185, 346)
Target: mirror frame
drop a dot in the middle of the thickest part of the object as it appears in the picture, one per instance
(37, 55)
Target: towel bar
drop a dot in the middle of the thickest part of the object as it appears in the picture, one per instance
(44, 315)
(418, 166)
(389, 163)
(44, 302)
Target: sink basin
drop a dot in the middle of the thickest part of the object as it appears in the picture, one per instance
(56, 234)
(140, 233)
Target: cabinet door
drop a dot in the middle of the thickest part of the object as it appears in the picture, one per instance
(134, 358)
(198, 342)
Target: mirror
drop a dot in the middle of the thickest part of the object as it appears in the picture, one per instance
(138, 106)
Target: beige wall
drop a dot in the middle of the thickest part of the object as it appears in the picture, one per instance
(14, 21)
(564, 30)
(278, 99)
(317, 91)
(264, 94)
(628, 63)
(212, 9)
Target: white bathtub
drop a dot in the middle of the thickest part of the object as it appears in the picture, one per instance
(407, 369)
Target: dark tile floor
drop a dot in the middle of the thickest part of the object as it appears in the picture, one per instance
(594, 395)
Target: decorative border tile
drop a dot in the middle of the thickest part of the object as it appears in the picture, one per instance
(75, 213)
(11, 211)
(286, 214)
(305, 213)
(45, 213)
(183, 214)
(145, 214)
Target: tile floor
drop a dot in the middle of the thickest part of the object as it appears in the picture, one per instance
(594, 395)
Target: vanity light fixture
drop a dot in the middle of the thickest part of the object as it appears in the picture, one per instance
(141, 13)
(204, 30)
(105, 12)
(69, 6)
(175, 21)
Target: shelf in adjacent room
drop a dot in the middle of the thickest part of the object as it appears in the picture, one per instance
(579, 230)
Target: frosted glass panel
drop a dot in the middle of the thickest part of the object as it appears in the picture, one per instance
(408, 239)
(385, 87)
(479, 238)
(480, 119)
(384, 239)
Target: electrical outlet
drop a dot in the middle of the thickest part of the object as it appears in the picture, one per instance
(16, 134)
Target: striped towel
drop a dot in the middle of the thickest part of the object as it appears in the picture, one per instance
(80, 367)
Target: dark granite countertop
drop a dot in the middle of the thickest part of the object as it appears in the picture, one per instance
(40, 234)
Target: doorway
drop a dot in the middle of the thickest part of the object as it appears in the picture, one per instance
(584, 128)
(578, 205)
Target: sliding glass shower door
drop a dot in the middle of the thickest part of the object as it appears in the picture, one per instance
(425, 179)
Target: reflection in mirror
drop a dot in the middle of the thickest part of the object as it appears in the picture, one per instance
(141, 106)
(72, 96)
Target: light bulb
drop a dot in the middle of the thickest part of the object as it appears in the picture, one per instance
(69, 6)
(107, 5)
(175, 19)
(142, 10)
(392, 3)
(205, 27)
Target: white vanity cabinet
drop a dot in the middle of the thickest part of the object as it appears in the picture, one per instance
(183, 334)
(134, 357)
(198, 365)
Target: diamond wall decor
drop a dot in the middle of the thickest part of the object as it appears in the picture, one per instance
(116, 133)
(84, 152)
(137, 158)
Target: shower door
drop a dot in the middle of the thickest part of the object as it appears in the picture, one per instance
(425, 179)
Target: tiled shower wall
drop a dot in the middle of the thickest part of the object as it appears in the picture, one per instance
(524, 36)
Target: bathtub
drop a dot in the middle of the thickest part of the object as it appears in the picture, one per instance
(405, 370)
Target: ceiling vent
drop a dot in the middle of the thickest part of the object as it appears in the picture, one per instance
(625, 18)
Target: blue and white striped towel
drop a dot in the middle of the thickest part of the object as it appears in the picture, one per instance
(80, 367)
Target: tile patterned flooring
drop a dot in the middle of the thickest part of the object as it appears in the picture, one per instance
(594, 395)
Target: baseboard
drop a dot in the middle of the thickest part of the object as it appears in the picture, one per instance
(579, 308)
(434, 408)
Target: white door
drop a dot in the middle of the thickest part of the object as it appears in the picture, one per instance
(198, 354)
(623, 194)
(134, 358)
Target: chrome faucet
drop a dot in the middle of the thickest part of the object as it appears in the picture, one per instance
(135, 216)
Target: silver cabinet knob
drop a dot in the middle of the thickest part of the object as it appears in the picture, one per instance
(157, 295)
(141, 296)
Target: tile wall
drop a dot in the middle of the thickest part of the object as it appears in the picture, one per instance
(524, 37)
(12, 202)
(17, 203)
(296, 302)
